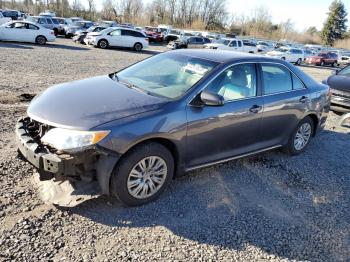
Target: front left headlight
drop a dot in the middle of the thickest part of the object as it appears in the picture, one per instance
(67, 139)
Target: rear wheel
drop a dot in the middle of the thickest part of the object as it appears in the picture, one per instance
(301, 136)
(40, 40)
(138, 47)
(298, 61)
(102, 44)
(322, 63)
(142, 174)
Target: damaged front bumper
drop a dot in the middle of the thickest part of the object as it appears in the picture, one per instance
(91, 166)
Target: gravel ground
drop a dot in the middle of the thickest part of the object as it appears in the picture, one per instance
(265, 207)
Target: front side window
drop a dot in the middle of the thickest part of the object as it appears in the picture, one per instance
(237, 82)
(115, 33)
(233, 44)
(49, 21)
(19, 25)
(166, 75)
(239, 43)
(42, 21)
(276, 79)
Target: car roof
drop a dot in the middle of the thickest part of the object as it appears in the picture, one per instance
(223, 56)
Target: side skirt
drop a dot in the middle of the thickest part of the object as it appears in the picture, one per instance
(231, 158)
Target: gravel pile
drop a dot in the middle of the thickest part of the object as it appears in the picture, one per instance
(265, 207)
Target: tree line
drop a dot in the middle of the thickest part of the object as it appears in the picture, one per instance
(194, 14)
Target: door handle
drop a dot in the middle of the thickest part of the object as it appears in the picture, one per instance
(255, 109)
(303, 99)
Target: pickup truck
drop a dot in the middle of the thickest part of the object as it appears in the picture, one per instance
(233, 44)
(3, 19)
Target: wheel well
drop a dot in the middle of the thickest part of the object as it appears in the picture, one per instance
(315, 120)
(168, 144)
(40, 36)
(138, 43)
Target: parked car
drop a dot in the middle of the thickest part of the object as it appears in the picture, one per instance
(80, 35)
(47, 22)
(77, 25)
(292, 55)
(48, 13)
(171, 35)
(3, 19)
(263, 46)
(340, 90)
(107, 23)
(13, 14)
(239, 46)
(63, 23)
(322, 59)
(154, 34)
(118, 37)
(216, 43)
(189, 42)
(25, 31)
(344, 59)
(135, 129)
(308, 53)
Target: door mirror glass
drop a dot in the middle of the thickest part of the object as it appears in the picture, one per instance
(211, 99)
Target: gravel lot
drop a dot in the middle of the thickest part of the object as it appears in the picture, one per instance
(265, 207)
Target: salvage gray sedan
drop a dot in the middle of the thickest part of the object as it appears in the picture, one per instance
(132, 131)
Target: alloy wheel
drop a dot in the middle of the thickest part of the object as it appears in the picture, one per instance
(138, 47)
(302, 136)
(147, 177)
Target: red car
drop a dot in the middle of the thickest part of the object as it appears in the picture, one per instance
(323, 58)
(154, 34)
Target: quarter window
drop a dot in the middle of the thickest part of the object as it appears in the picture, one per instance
(276, 79)
(297, 84)
(32, 27)
(115, 33)
(237, 82)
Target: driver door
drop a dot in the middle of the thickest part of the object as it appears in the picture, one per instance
(115, 38)
(220, 132)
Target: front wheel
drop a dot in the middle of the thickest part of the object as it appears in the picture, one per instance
(301, 136)
(102, 44)
(40, 40)
(142, 174)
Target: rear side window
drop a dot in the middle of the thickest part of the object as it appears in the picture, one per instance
(32, 27)
(42, 21)
(297, 84)
(49, 21)
(233, 44)
(276, 79)
(55, 21)
(239, 43)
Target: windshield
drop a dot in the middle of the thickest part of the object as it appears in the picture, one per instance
(166, 75)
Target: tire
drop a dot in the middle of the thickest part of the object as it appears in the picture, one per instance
(292, 147)
(40, 40)
(138, 47)
(334, 64)
(55, 31)
(130, 163)
(298, 61)
(103, 44)
(322, 63)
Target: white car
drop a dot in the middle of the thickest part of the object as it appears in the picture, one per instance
(25, 31)
(292, 55)
(263, 46)
(3, 19)
(118, 37)
(233, 44)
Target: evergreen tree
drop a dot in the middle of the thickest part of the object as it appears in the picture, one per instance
(335, 25)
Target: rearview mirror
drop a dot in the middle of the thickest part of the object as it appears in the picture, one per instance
(212, 99)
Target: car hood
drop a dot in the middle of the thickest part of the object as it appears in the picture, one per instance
(339, 82)
(87, 103)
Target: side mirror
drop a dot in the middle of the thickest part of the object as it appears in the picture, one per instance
(211, 99)
(335, 72)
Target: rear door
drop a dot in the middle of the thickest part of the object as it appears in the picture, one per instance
(286, 99)
(128, 39)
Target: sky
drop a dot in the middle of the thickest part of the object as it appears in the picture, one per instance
(303, 13)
